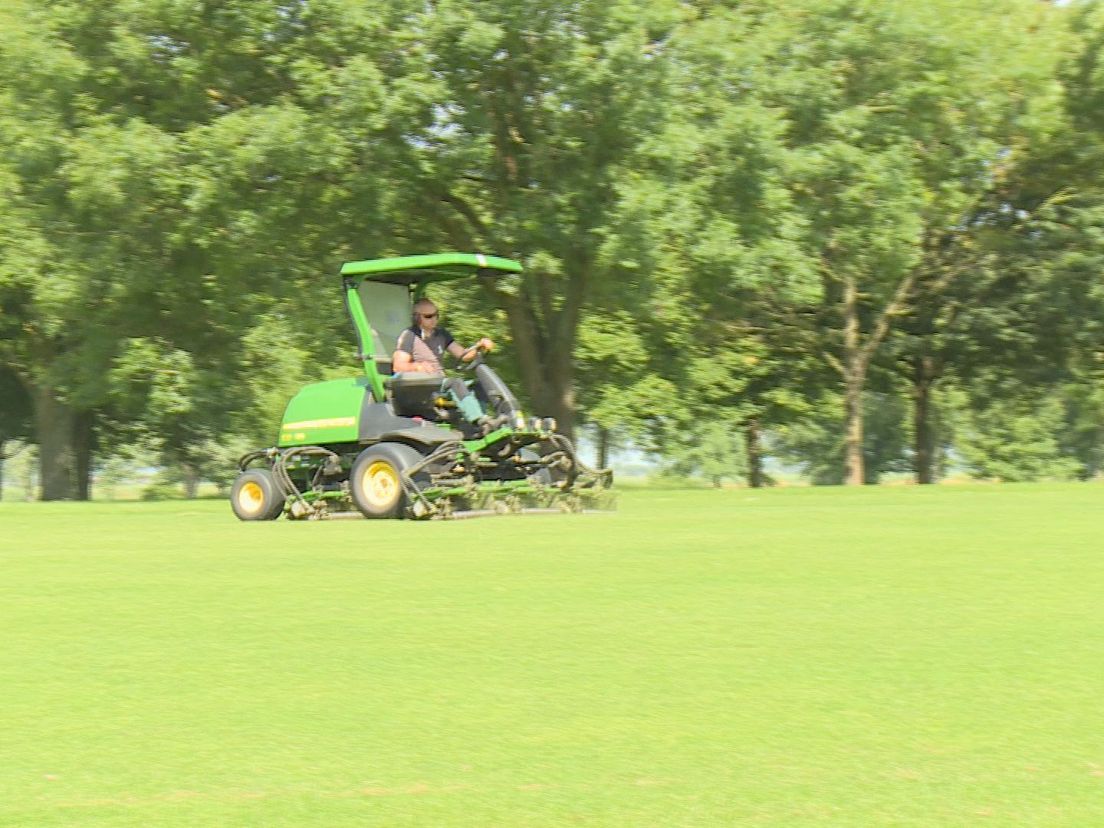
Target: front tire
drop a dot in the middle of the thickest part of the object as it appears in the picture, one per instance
(375, 479)
(255, 495)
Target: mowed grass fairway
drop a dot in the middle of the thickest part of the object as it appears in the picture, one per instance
(884, 656)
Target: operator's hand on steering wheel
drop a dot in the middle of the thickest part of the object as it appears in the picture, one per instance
(479, 348)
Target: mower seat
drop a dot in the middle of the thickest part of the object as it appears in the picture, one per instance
(413, 394)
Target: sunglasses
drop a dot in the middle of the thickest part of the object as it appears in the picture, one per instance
(428, 315)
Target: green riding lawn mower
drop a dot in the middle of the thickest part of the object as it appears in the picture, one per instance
(391, 446)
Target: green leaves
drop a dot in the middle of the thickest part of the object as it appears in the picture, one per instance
(726, 212)
(1015, 439)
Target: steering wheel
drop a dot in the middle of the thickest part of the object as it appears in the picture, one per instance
(475, 362)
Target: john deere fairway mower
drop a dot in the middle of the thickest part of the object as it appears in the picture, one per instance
(393, 445)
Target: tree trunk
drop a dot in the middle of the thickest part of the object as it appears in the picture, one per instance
(3, 456)
(545, 365)
(547, 376)
(854, 379)
(544, 340)
(543, 330)
(561, 401)
(191, 481)
(527, 345)
(603, 447)
(753, 445)
(82, 447)
(923, 379)
(29, 482)
(853, 457)
(54, 421)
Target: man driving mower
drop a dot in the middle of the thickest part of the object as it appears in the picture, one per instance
(420, 348)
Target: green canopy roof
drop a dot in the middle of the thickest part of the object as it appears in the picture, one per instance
(438, 267)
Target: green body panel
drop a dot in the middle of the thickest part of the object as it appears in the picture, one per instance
(324, 412)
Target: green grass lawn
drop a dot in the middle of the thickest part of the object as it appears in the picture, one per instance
(884, 656)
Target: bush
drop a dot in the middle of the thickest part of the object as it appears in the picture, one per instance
(162, 491)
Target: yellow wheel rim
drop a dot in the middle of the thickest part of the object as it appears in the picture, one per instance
(250, 498)
(380, 484)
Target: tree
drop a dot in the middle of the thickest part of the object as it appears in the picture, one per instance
(905, 141)
(814, 442)
(727, 213)
(538, 106)
(1027, 321)
(712, 449)
(1011, 436)
(171, 172)
(621, 390)
(853, 137)
(968, 297)
(81, 187)
(706, 210)
(1023, 347)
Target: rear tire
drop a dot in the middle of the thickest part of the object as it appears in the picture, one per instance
(255, 495)
(375, 479)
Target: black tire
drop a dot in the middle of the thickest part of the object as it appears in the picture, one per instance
(255, 495)
(375, 479)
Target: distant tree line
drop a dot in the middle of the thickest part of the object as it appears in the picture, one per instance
(859, 236)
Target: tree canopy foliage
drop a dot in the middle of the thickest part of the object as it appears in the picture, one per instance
(860, 236)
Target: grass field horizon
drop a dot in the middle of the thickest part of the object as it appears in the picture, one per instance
(800, 656)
